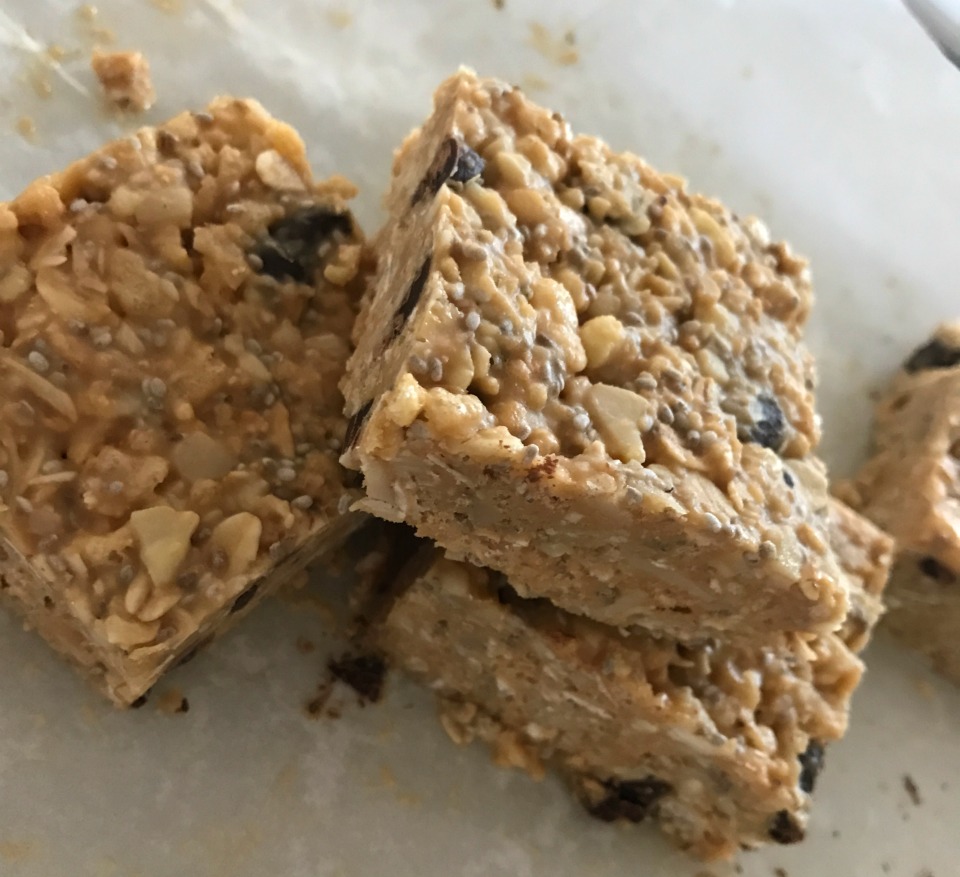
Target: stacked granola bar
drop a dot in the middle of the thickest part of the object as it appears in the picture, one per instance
(589, 387)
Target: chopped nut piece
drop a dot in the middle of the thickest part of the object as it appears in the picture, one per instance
(125, 77)
(164, 539)
(239, 538)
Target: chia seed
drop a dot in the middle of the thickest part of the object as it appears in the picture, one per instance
(125, 576)
(302, 502)
(530, 453)
(285, 473)
(473, 321)
(646, 381)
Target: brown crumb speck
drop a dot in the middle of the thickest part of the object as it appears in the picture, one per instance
(305, 646)
(314, 707)
(780, 872)
(340, 18)
(27, 128)
(559, 50)
(172, 702)
(499, 4)
(363, 673)
(913, 792)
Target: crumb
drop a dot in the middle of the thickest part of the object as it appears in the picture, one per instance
(926, 689)
(340, 17)
(38, 76)
(738, 868)
(924, 872)
(87, 12)
(125, 77)
(780, 872)
(561, 51)
(885, 867)
(363, 673)
(172, 702)
(910, 787)
(499, 4)
(533, 83)
(835, 833)
(314, 707)
(305, 646)
(27, 128)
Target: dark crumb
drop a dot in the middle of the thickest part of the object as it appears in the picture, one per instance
(835, 833)
(910, 787)
(499, 4)
(924, 872)
(811, 763)
(305, 646)
(363, 673)
(784, 829)
(885, 867)
(184, 706)
(313, 708)
(738, 869)
(780, 872)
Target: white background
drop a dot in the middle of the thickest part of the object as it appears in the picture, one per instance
(837, 122)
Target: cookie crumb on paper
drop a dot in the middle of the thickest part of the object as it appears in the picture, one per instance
(125, 79)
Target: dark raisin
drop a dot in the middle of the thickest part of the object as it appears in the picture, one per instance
(935, 570)
(769, 424)
(245, 598)
(788, 478)
(933, 354)
(784, 829)
(290, 247)
(355, 424)
(439, 172)
(469, 166)
(410, 300)
(811, 763)
(140, 701)
(363, 673)
(632, 800)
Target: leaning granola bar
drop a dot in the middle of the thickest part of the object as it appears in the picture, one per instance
(175, 312)
(578, 373)
(720, 743)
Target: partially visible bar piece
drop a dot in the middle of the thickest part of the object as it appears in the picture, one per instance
(721, 744)
(576, 372)
(175, 313)
(911, 488)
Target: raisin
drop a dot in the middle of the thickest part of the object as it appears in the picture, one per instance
(469, 166)
(784, 829)
(632, 800)
(355, 424)
(455, 161)
(290, 248)
(245, 598)
(769, 425)
(933, 354)
(935, 570)
(412, 298)
(811, 763)
(363, 673)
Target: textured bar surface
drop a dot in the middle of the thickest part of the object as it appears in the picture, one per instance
(175, 314)
(576, 372)
(720, 743)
